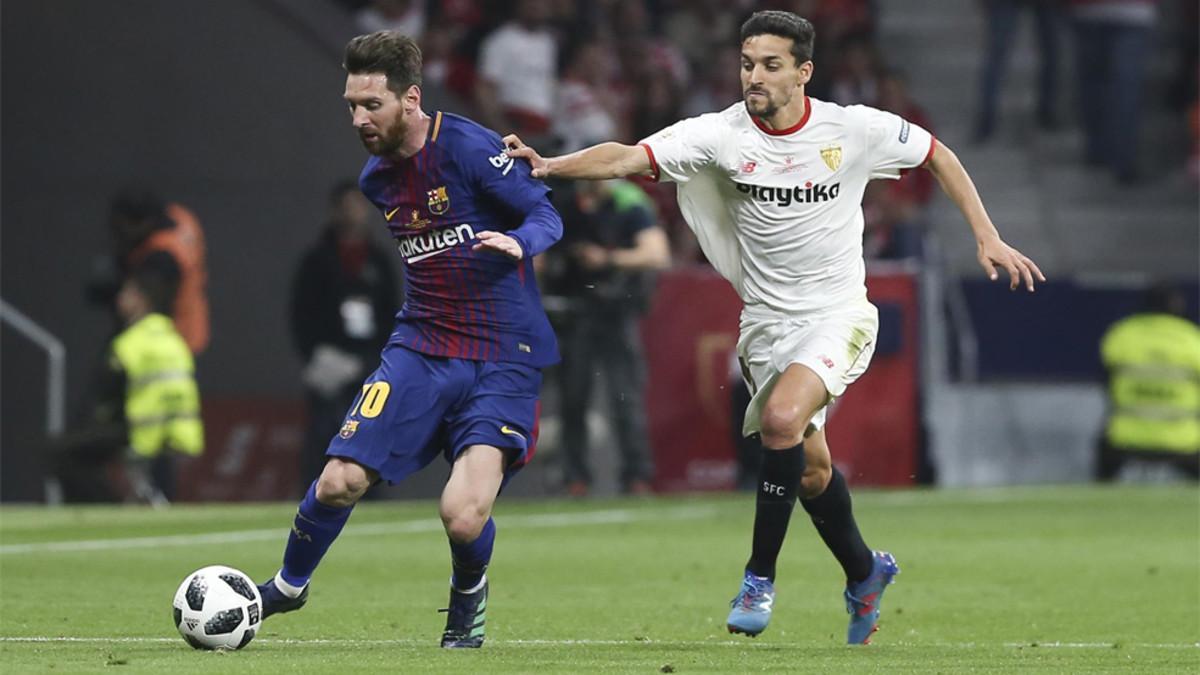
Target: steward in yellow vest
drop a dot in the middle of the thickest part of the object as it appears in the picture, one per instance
(147, 409)
(162, 403)
(1153, 364)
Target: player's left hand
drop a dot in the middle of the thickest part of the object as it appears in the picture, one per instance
(498, 242)
(995, 253)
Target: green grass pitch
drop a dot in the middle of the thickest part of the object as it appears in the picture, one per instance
(1045, 579)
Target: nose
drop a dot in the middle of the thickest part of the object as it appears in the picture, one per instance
(360, 117)
(752, 78)
(756, 75)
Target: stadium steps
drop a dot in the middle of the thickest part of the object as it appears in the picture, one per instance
(1072, 219)
(1076, 222)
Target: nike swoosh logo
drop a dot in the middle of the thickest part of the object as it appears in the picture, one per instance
(388, 215)
(511, 432)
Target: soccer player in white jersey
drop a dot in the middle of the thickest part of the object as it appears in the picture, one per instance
(772, 187)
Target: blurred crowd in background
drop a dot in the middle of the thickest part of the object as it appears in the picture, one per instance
(565, 74)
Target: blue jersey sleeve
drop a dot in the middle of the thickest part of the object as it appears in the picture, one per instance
(542, 227)
(509, 182)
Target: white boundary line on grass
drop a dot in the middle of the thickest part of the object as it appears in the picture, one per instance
(603, 643)
(604, 517)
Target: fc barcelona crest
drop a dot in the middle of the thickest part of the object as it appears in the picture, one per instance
(348, 429)
(439, 200)
(832, 156)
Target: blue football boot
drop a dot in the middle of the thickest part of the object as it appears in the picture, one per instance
(465, 619)
(275, 602)
(752, 607)
(863, 598)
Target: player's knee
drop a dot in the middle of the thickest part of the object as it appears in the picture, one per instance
(342, 484)
(464, 517)
(815, 479)
(463, 525)
(337, 492)
(783, 425)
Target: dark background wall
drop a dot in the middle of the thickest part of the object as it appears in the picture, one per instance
(231, 107)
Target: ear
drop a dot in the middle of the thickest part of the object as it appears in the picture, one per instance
(411, 99)
(805, 72)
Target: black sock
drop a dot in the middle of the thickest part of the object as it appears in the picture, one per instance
(778, 484)
(834, 519)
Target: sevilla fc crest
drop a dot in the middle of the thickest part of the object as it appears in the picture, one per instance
(832, 156)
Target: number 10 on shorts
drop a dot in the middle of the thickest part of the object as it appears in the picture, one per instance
(373, 396)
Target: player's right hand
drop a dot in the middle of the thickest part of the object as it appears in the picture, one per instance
(515, 147)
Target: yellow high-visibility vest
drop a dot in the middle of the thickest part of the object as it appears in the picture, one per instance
(162, 402)
(1154, 387)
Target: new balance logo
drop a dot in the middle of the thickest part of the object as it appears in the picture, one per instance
(868, 605)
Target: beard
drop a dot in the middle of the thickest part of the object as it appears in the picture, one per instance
(761, 105)
(383, 142)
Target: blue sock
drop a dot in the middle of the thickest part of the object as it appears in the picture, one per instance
(471, 560)
(313, 531)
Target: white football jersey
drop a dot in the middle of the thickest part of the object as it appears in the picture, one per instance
(779, 212)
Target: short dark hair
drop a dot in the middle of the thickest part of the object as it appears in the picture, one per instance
(786, 25)
(388, 52)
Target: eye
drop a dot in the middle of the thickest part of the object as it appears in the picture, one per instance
(373, 105)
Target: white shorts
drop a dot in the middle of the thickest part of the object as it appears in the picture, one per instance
(835, 344)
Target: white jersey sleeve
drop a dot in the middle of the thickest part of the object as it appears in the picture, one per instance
(892, 142)
(688, 153)
(684, 149)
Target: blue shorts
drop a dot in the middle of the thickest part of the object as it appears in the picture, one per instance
(415, 406)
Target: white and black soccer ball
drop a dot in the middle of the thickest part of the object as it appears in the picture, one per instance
(217, 607)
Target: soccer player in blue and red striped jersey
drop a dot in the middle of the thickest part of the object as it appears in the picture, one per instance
(461, 371)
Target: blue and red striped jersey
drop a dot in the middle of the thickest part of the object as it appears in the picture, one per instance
(458, 302)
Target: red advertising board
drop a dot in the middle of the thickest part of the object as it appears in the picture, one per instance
(252, 451)
(874, 430)
(690, 335)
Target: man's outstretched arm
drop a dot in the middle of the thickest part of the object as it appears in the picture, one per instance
(991, 251)
(598, 162)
